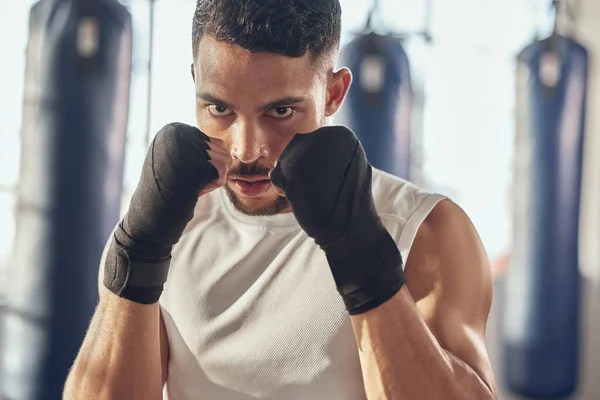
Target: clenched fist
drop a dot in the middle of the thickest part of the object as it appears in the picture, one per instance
(181, 165)
(327, 180)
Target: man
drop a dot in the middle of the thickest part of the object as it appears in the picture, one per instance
(289, 281)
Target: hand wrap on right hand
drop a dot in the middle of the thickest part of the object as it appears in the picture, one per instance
(175, 170)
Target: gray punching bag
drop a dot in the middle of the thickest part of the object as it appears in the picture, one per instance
(379, 104)
(73, 143)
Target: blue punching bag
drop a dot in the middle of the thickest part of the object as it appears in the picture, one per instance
(73, 141)
(541, 306)
(379, 102)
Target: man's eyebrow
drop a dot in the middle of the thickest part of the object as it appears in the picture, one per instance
(285, 101)
(214, 100)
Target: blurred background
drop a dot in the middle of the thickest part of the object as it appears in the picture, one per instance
(490, 102)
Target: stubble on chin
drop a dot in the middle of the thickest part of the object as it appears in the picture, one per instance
(265, 208)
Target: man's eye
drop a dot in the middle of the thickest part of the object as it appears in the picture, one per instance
(281, 112)
(219, 111)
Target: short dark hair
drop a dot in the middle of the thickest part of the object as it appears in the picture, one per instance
(287, 27)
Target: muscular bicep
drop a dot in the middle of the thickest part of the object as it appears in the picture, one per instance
(449, 277)
(164, 342)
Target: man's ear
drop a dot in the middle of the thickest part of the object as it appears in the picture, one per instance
(193, 72)
(337, 89)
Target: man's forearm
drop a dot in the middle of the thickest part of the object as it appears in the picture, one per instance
(401, 358)
(120, 356)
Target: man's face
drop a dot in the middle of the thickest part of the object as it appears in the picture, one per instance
(256, 103)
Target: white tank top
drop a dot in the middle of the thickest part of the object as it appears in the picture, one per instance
(251, 309)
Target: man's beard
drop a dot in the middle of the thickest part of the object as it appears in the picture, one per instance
(271, 208)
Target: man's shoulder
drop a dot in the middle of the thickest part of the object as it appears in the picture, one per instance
(402, 206)
(398, 197)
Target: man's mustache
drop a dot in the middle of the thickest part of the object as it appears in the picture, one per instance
(241, 169)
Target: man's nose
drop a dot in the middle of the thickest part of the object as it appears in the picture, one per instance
(248, 144)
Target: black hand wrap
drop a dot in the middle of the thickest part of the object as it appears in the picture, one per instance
(175, 170)
(327, 180)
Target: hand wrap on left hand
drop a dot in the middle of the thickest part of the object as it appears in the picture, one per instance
(327, 180)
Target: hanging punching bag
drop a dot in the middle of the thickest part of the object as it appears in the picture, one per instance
(378, 105)
(541, 310)
(73, 140)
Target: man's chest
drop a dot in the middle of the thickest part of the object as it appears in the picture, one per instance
(260, 317)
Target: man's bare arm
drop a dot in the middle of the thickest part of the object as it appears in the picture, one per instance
(427, 342)
(121, 354)
(124, 354)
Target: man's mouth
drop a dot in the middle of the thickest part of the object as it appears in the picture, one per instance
(251, 186)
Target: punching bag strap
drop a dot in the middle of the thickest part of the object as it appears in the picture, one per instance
(372, 69)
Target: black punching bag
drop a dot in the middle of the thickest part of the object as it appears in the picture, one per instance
(378, 107)
(73, 142)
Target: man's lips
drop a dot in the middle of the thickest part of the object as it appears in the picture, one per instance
(251, 186)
